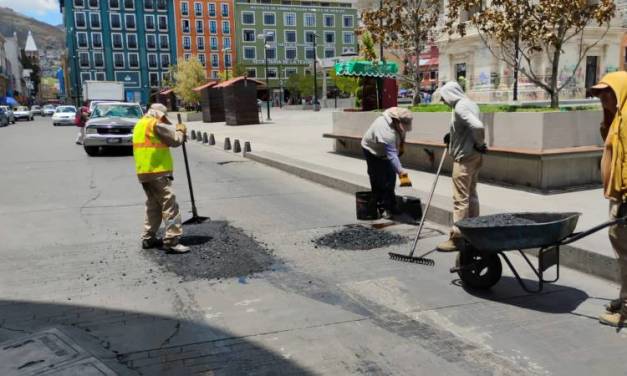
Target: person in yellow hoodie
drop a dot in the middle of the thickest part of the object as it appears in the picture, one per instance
(612, 90)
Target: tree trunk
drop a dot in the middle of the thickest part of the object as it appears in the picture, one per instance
(516, 67)
(555, 100)
(416, 100)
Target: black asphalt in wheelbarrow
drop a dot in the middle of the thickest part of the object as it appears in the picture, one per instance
(488, 237)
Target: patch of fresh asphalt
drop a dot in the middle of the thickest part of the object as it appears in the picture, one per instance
(359, 238)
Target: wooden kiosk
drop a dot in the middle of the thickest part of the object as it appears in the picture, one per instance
(240, 100)
(211, 102)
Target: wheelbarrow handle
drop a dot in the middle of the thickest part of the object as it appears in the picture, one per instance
(580, 235)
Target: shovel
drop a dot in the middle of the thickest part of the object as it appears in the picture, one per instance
(195, 219)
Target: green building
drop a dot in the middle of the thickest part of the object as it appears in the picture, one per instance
(290, 27)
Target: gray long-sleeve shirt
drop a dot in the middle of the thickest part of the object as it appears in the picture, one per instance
(466, 128)
(381, 140)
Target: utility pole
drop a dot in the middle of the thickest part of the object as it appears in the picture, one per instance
(265, 49)
(315, 74)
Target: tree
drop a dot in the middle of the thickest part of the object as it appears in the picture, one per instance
(348, 85)
(518, 31)
(406, 25)
(189, 74)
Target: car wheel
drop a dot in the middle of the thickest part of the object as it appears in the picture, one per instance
(92, 151)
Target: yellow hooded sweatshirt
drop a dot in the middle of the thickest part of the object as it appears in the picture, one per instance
(614, 161)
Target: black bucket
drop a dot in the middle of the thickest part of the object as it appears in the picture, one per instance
(409, 206)
(365, 206)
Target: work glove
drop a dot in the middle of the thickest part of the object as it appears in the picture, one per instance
(483, 148)
(181, 128)
(447, 139)
(404, 178)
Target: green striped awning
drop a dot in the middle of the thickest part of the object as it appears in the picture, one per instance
(363, 68)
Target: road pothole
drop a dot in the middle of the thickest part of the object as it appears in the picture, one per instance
(218, 251)
(359, 238)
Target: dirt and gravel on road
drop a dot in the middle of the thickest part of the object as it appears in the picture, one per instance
(359, 238)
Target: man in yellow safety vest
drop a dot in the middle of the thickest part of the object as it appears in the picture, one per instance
(153, 136)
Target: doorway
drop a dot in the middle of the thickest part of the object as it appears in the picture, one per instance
(592, 66)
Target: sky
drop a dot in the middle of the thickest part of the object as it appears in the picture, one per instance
(42, 10)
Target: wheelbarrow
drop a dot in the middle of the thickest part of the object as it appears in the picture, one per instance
(486, 238)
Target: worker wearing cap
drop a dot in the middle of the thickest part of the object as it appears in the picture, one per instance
(382, 143)
(612, 90)
(153, 136)
(466, 145)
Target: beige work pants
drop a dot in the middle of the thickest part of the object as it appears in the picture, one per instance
(80, 137)
(161, 204)
(618, 238)
(465, 197)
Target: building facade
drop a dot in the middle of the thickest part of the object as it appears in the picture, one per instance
(132, 41)
(206, 29)
(13, 51)
(5, 71)
(290, 28)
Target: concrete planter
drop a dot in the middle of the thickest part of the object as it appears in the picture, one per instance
(191, 116)
(541, 150)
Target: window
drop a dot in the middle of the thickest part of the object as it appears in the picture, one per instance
(114, 4)
(251, 72)
(187, 56)
(329, 37)
(94, 20)
(214, 75)
(309, 53)
(149, 21)
(85, 76)
(116, 21)
(81, 40)
(83, 58)
(96, 40)
(310, 19)
(202, 59)
(93, 4)
(227, 60)
(79, 3)
(348, 50)
(290, 36)
(248, 18)
(226, 42)
(290, 53)
(118, 60)
(226, 27)
(347, 21)
(162, 5)
(185, 26)
(200, 42)
(249, 35)
(270, 35)
(289, 19)
(271, 53)
(272, 72)
(149, 4)
(198, 9)
(129, 20)
(290, 72)
(184, 8)
(249, 53)
(214, 43)
(163, 23)
(101, 76)
(79, 19)
(165, 60)
(329, 20)
(269, 19)
(215, 61)
(349, 38)
(309, 36)
(164, 42)
(225, 9)
(151, 41)
(152, 61)
(329, 52)
(116, 40)
(187, 43)
(211, 8)
(199, 26)
(153, 77)
(133, 60)
(131, 41)
(213, 27)
(129, 4)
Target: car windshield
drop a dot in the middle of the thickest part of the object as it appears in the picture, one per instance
(22, 108)
(116, 110)
(35, 107)
(49, 107)
(66, 109)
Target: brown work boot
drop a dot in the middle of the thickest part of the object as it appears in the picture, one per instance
(615, 319)
(614, 306)
(451, 245)
(152, 243)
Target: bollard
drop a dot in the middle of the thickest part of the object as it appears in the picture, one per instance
(247, 147)
(205, 139)
(212, 140)
(236, 146)
(199, 136)
(227, 144)
(193, 134)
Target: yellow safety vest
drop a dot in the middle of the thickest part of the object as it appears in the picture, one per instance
(152, 156)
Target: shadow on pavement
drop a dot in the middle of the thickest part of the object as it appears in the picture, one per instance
(121, 151)
(132, 343)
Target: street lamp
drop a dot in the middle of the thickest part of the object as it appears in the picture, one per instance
(315, 60)
(265, 37)
(226, 69)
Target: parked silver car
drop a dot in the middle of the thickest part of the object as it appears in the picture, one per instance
(23, 112)
(36, 110)
(9, 111)
(111, 125)
(64, 115)
(4, 119)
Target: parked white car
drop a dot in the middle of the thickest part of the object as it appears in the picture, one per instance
(23, 112)
(49, 110)
(36, 110)
(64, 115)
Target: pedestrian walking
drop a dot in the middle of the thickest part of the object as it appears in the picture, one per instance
(153, 136)
(612, 90)
(382, 143)
(466, 146)
(82, 115)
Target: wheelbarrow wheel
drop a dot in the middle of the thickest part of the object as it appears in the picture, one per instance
(477, 270)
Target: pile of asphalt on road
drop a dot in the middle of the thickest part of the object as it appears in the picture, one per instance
(359, 238)
(218, 251)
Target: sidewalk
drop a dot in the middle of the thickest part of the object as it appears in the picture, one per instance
(293, 141)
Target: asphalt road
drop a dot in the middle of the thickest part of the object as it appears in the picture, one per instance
(71, 264)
